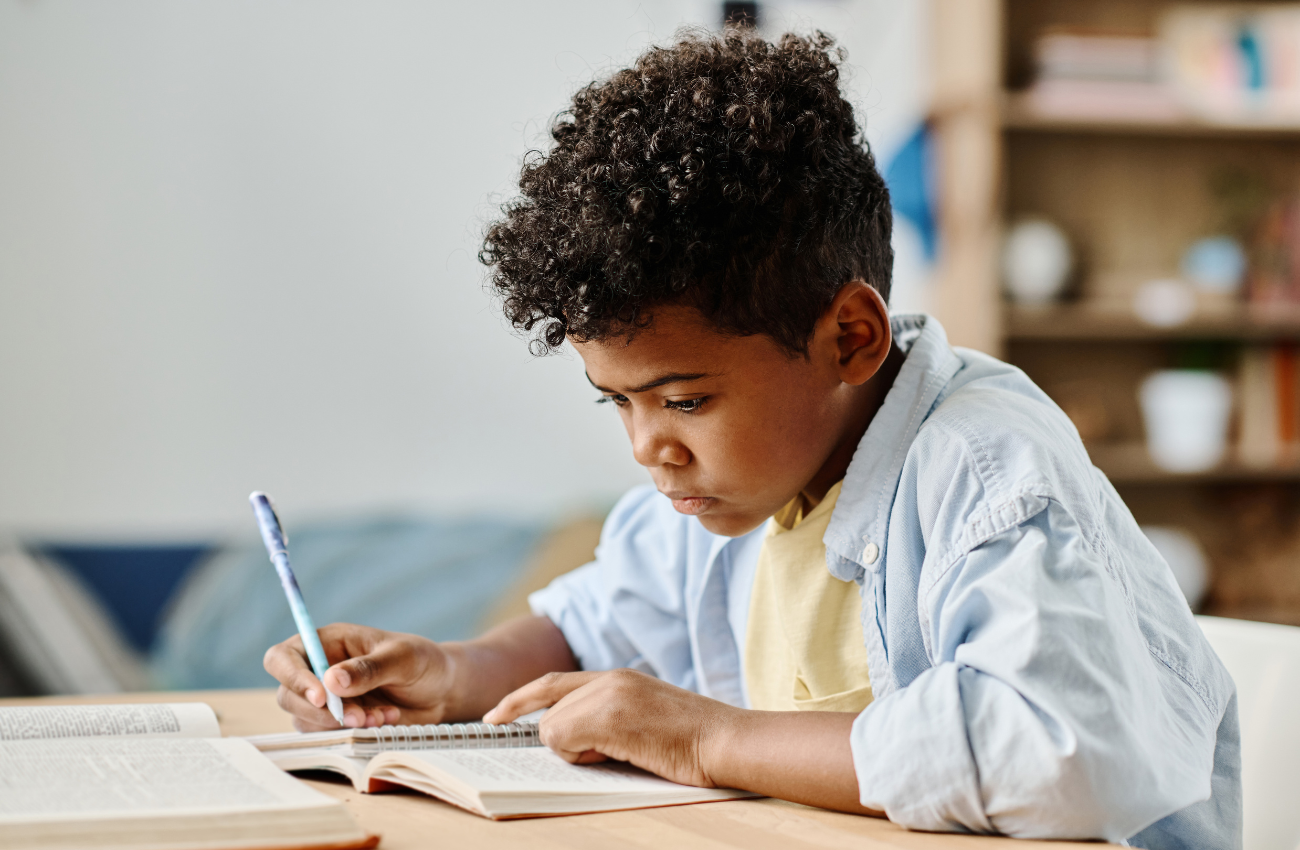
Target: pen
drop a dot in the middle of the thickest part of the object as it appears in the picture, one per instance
(277, 547)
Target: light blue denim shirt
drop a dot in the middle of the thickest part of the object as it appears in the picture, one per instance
(1036, 670)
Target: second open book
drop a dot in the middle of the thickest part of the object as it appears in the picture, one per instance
(495, 771)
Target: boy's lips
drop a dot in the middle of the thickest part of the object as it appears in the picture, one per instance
(692, 505)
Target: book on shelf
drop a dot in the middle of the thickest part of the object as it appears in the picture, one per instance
(1273, 278)
(1082, 75)
(498, 772)
(152, 776)
(1268, 432)
(1231, 65)
(1083, 54)
(1234, 63)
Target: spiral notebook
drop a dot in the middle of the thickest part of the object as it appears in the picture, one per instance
(497, 771)
(365, 743)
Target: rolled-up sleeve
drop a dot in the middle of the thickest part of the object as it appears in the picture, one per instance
(627, 608)
(1044, 714)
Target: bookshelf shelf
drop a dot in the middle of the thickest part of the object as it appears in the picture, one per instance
(1083, 322)
(1133, 179)
(1018, 114)
(1129, 463)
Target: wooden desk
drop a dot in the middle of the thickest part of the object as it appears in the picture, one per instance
(409, 820)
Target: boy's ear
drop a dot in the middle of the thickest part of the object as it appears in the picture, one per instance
(858, 321)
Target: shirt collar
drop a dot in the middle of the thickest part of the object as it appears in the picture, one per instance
(860, 521)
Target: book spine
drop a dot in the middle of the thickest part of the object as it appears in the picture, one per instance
(1284, 373)
(1258, 444)
(453, 736)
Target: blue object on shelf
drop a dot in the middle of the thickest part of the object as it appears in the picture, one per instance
(133, 582)
(910, 181)
(1215, 264)
(1252, 57)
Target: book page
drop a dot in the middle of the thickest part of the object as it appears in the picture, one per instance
(166, 720)
(139, 776)
(530, 769)
(322, 758)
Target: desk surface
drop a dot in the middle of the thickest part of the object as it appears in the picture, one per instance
(409, 820)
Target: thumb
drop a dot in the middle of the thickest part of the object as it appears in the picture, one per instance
(387, 664)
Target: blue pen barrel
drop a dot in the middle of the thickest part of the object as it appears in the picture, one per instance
(269, 524)
(277, 547)
(315, 652)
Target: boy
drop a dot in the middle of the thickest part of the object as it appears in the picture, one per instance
(875, 573)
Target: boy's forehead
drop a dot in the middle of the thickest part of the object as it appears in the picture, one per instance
(640, 362)
(673, 344)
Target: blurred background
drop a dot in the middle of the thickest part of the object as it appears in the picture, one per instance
(237, 252)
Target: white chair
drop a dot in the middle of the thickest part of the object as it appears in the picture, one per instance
(1264, 660)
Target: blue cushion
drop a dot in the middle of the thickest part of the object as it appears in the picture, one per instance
(133, 582)
(434, 577)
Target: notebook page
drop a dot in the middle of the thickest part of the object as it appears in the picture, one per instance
(162, 720)
(128, 777)
(528, 769)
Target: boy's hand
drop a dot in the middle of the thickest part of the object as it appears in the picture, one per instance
(384, 677)
(624, 715)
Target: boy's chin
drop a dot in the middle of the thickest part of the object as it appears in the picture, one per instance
(730, 524)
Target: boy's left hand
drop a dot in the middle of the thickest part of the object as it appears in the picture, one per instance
(626, 716)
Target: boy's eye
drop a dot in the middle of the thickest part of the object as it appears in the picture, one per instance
(620, 400)
(688, 406)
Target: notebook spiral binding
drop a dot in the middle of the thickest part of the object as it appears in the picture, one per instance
(460, 736)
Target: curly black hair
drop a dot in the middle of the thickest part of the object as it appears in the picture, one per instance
(724, 171)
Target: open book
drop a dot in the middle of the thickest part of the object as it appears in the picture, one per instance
(152, 776)
(495, 771)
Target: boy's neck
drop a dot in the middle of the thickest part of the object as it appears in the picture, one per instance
(871, 396)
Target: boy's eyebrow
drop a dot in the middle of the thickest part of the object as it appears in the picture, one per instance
(673, 378)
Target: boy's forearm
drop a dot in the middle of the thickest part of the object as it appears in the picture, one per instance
(802, 756)
(504, 658)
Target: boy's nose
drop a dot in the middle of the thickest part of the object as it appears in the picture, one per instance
(653, 447)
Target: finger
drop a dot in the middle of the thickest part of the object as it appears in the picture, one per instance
(380, 712)
(288, 664)
(369, 711)
(389, 663)
(539, 693)
(342, 641)
(303, 711)
(571, 728)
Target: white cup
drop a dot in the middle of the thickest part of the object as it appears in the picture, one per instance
(1186, 413)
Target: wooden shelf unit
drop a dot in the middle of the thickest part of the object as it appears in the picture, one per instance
(1132, 194)
(1018, 114)
(1090, 322)
(1130, 463)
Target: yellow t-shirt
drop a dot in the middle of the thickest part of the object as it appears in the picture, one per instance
(803, 645)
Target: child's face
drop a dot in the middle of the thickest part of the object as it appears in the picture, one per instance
(732, 428)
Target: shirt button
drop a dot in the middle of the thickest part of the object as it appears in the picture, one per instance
(870, 554)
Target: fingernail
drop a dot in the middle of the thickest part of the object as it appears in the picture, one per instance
(392, 715)
(313, 697)
(490, 717)
(350, 720)
(341, 676)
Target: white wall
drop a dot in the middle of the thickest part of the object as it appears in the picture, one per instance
(237, 247)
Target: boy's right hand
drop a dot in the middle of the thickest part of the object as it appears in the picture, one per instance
(383, 677)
